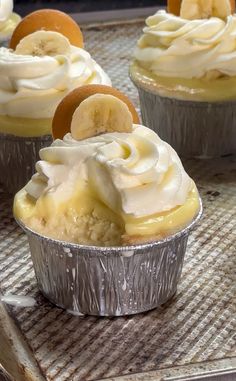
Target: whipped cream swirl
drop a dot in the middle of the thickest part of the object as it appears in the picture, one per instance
(32, 87)
(176, 47)
(135, 174)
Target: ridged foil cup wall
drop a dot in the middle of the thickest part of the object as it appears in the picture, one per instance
(192, 128)
(18, 156)
(108, 281)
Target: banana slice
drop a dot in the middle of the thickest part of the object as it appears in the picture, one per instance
(44, 43)
(98, 114)
(203, 9)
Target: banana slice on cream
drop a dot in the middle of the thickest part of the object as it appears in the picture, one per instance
(203, 9)
(98, 114)
(44, 43)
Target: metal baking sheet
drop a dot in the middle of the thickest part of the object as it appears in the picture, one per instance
(192, 335)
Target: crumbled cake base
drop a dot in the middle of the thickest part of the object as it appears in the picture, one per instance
(82, 229)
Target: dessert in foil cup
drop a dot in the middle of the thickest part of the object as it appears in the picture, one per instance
(37, 71)
(184, 70)
(109, 211)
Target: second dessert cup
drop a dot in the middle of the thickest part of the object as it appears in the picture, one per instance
(109, 211)
(108, 281)
(42, 65)
(184, 70)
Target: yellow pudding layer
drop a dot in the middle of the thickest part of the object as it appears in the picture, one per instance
(25, 127)
(202, 89)
(86, 220)
(165, 223)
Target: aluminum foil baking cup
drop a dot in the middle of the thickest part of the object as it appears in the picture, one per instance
(108, 281)
(192, 128)
(18, 156)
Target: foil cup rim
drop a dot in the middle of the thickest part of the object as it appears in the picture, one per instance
(119, 249)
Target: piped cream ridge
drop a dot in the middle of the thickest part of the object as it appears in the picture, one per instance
(179, 48)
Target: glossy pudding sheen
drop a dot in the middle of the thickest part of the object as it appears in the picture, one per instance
(195, 89)
(108, 190)
(187, 59)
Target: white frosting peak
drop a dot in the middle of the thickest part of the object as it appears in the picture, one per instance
(6, 8)
(175, 47)
(135, 173)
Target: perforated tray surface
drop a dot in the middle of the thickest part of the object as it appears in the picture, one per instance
(197, 325)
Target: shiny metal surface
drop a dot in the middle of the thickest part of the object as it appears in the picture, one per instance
(4, 375)
(193, 129)
(18, 156)
(17, 362)
(106, 281)
(224, 376)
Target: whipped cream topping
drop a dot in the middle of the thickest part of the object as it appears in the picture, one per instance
(8, 19)
(32, 87)
(134, 174)
(176, 47)
(6, 8)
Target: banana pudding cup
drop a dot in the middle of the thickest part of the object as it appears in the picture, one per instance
(46, 60)
(8, 21)
(185, 70)
(109, 210)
